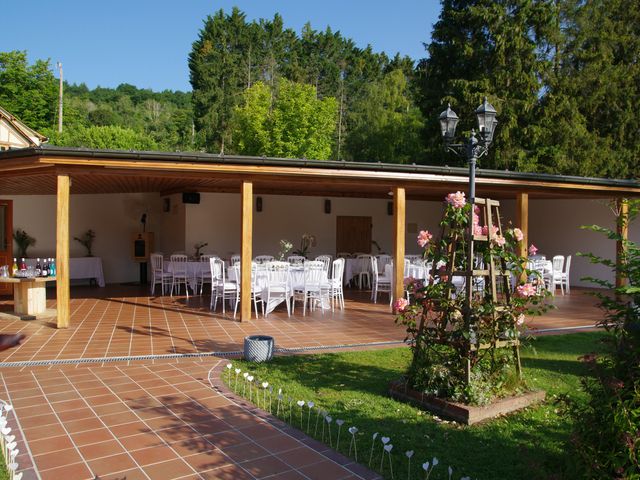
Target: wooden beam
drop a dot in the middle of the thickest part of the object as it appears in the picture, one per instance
(246, 250)
(62, 252)
(623, 230)
(522, 222)
(399, 214)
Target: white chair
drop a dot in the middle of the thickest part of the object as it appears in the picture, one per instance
(158, 275)
(278, 285)
(235, 259)
(335, 283)
(383, 261)
(223, 288)
(363, 270)
(326, 259)
(263, 258)
(553, 279)
(565, 274)
(179, 273)
(315, 286)
(380, 283)
(343, 255)
(204, 275)
(296, 259)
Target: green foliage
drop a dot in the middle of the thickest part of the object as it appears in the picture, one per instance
(28, 91)
(24, 241)
(606, 439)
(464, 350)
(289, 122)
(385, 125)
(109, 137)
(353, 386)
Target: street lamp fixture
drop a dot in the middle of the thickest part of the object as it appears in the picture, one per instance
(476, 145)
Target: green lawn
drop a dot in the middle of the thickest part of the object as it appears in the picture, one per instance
(353, 386)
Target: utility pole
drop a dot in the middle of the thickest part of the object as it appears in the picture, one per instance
(60, 99)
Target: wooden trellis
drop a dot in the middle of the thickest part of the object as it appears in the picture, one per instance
(490, 281)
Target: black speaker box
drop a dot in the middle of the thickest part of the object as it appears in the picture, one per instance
(389, 208)
(327, 206)
(190, 197)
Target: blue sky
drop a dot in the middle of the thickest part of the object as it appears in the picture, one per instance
(146, 43)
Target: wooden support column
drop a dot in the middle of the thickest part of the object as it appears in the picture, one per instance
(399, 213)
(522, 222)
(246, 253)
(62, 252)
(623, 230)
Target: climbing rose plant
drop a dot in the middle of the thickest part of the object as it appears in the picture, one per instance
(443, 338)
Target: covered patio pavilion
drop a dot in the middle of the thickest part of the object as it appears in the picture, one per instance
(123, 384)
(66, 172)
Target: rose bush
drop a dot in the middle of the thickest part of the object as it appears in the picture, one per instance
(459, 348)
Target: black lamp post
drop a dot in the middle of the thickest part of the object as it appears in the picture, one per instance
(473, 147)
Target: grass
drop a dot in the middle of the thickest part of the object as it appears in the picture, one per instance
(353, 386)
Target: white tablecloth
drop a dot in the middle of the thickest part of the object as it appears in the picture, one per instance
(81, 268)
(194, 270)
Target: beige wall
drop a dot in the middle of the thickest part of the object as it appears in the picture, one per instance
(114, 218)
(554, 226)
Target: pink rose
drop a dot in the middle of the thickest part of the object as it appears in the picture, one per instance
(518, 234)
(400, 305)
(424, 237)
(520, 319)
(526, 290)
(532, 249)
(457, 199)
(476, 219)
(476, 209)
(485, 231)
(477, 230)
(499, 240)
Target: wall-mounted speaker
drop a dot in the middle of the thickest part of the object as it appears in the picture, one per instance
(327, 206)
(191, 197)
(258, 204)
(389, 208)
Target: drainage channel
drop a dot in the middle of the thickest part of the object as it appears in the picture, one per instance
(170, 356)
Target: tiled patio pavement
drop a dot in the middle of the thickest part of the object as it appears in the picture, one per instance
(157, 422)
(161, 419)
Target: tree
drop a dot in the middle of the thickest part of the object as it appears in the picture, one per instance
(487, 48)
(385, 125)
(28, 91)
(286, 121)
(107, 137)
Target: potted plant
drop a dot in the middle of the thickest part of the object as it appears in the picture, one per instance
(306, 242)
(87, 241)
(24, 241)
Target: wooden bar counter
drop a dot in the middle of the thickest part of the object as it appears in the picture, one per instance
(29, 295)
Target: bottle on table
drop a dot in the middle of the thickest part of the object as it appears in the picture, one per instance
(45, 268)
(23, 264)
(38, 268)
(14, 267)
(53, 270)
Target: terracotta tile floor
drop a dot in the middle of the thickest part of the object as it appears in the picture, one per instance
(161, 419)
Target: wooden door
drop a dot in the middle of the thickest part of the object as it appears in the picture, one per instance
(6, 241)
(353, 234)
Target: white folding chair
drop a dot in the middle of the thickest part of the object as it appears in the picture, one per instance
(363, 270)
(223, 288)
(263, 258)
(158, 275)
(278, 285)
(326, 259)
(204, 275)
(296, 259)
(335, 283)
(179, 273)
(315, 285)
(553, 279)
(565, 274)
(380, 283)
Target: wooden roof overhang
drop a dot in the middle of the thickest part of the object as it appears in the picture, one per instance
(33, 171)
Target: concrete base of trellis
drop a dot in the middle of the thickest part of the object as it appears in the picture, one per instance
(459, 412)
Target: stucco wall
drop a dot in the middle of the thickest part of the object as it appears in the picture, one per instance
(114, 218)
